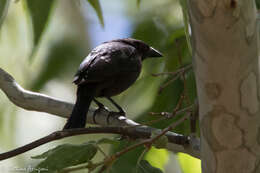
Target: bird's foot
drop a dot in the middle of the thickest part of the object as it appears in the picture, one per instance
(122, 113)
(101, 108)
(121, 110)
(115, 114)
(99, 104)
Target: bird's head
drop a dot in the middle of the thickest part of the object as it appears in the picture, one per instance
(146, 50)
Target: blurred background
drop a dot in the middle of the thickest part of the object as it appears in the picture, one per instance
(47, 60)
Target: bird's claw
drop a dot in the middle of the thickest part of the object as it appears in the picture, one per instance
(122, 113)
(115, 114)
(98, 110)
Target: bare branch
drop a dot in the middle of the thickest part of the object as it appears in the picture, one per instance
(42, 103)
(140, 132)
(31, 100)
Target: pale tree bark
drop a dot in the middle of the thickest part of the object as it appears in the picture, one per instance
(225, 50)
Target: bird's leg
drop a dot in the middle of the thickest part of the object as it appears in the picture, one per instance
(100, 107)
(121, 111)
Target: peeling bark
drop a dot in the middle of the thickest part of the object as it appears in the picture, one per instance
(225, 51)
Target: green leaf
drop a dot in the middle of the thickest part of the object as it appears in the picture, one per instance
(257, 4)
(161, 142)
(39, 11)
(158, 158)
(189, 164)
(96, 5)
(113, 142)
(191, 86)
(178, 33)
(3, 10)
(64, 56)
(138, 3)
(127, 162)
(186, 22)
(66, 155)
(145, 167)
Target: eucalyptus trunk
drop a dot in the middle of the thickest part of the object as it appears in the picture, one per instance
(225, 44)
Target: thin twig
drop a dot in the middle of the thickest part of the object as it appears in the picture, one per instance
(103, 168)
(142, 155)
(74, 168)
(166, 115)
(175, 76)
(90, 166)
(182, 74)
(172, 126)
(101, 151)
(194, 118)
(170, 115)
(115, 156)
(73, 132)
(178, 106)
(180, 70)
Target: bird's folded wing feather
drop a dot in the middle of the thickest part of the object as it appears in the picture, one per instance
(106, 60)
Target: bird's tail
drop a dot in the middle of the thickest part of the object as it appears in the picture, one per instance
(77, 119)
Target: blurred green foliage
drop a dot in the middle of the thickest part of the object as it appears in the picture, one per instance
(39, 12)
(157, 157)
(144, 167)
(171, 40)
(156, 24)
(65, 155)
(183, 4)
(189, 164)
(96, 5)
(62, 55)
(138, 3)
(257, 3)
(3, 10)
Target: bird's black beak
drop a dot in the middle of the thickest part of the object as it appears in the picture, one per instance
(153, 53)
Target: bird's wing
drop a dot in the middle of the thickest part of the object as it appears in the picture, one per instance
(106, 60)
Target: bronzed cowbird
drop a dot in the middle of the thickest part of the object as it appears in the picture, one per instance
(108, 70)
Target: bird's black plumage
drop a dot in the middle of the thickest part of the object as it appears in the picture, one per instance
(108, 70)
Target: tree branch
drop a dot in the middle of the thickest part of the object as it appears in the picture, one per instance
(42, 103)
(31, 100)
(121, 125)
(126, 131)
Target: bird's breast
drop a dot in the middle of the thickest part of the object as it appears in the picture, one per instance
(118, 84)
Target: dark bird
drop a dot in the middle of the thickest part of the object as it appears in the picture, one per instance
(108, 70)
